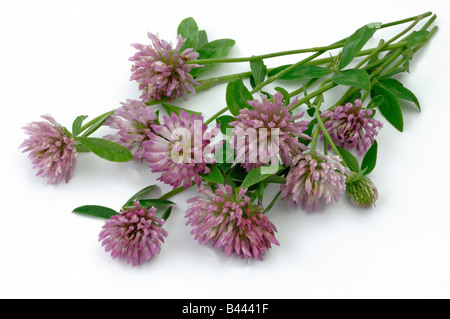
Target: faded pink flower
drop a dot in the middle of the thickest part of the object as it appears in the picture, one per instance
(133, 120)
(161, 70)
(52, 149)
(177, 149)
(351, 126)
(277, 132)
(313, 177)
(135, 234)
(228, 219)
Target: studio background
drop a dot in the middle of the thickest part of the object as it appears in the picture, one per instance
(68, 58)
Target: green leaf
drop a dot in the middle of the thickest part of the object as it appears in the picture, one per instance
(224, 154)
(105, 149)
(301, 72)
(355, 43)
(408, 56)
(238, 173)
(142, 192)
(214, 49)
(224, 121)
(375, 102)
(370, 158)
(390, 108)
(261, 191)
(176, 109)
(355, 96)
(188, 29)
(274, 200)
(286, 96)
(253, 177)
(276, 179)
(308, 132)
(354, 78)
(147, 203)
(259, 71)
(349, 159)
(167, 212)
(237, 96)
(391, 73)
(202, 39)
(96, 211)
(214, 176)
(417, 37)
(397, 88)
(76, 125)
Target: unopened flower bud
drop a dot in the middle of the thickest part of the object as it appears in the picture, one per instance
(362, 192)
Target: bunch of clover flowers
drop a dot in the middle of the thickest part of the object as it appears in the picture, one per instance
(229, 218)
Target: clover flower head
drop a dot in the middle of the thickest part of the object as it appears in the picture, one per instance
(313, 177)
(275, 131)
(162, 71)
(351, 126)
(135, 234)
(51, 149)
(228, 220)
(133, 120)
(178, 149)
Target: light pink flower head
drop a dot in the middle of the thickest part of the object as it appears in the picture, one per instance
(52, 149)
(228, 219)
(178, 147)
(351, 126)
(135, 234)
(161, 70)
(277, 130)
(313, 177)
(133, 120)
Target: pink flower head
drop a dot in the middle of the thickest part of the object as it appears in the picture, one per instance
(229, 220)
(312, 177)
(133, 120)
(52, 149)
(135, 234)
(176, 149)
(276, 130)
(161, 70)
(351, 126)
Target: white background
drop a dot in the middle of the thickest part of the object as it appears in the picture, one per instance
(68, 58)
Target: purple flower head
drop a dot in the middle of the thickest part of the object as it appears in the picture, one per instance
(312, 177)
(133, 120)
(275, 130)
(229, 220)
(52, 149)
(161, 70)
(176, 149)
(135, 234)
(351, 126)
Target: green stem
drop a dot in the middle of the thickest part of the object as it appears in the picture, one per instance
(173, 192)
(94, 120)
(315, 137)
(336, 45)
(378, 49)
(327, 135)
(269, 80)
